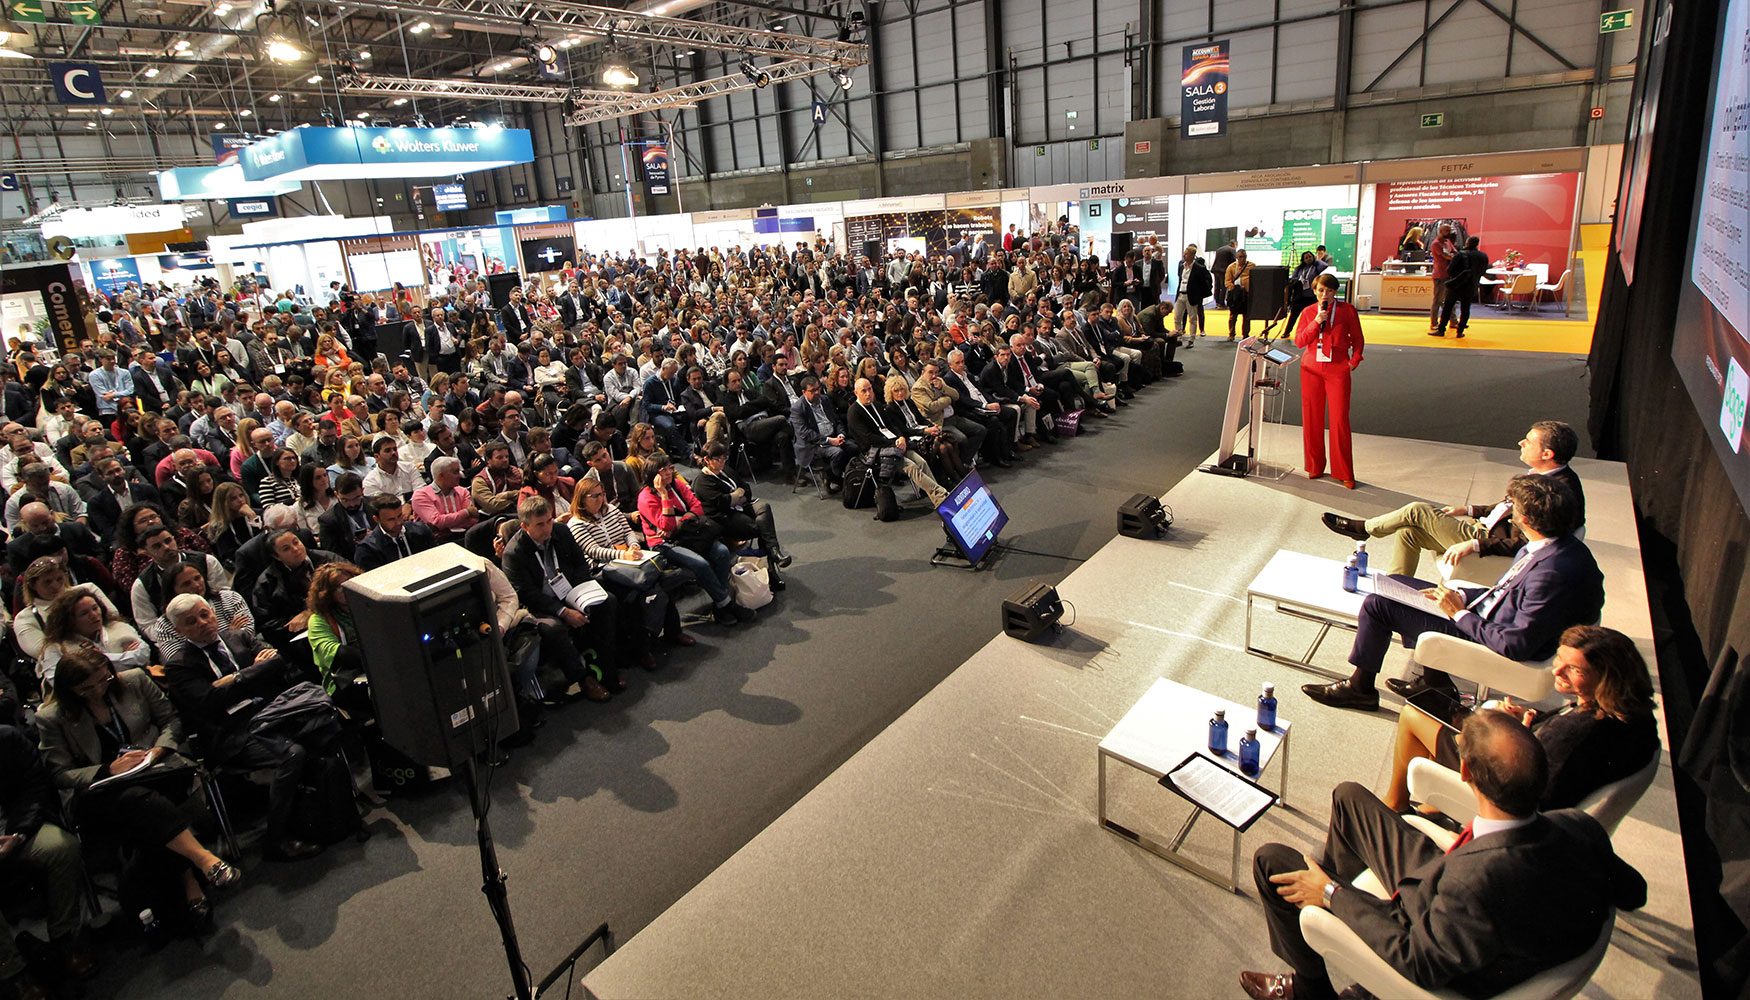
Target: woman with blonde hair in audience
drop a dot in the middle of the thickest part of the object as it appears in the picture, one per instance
(231, 522)
(1604, 734)
(330, 354)
(41, 582)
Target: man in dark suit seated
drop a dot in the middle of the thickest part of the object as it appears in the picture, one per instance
(819, 433)
(1459, 531)
(880, 432)
(1004, 380)
(1518, 892)
(154, 387)
(1554, 583)
(38, 534)
(219, 682)
(543, 563)
(341, 526)
(111, 488)
(780, 391)
(396, 535)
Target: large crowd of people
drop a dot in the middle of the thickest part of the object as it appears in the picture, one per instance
(190, 489)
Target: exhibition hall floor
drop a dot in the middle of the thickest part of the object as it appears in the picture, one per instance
(618, 810)
(958, 854)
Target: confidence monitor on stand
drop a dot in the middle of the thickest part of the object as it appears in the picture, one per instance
(972, 519)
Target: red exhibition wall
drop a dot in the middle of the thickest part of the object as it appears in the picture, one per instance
(1530, 213)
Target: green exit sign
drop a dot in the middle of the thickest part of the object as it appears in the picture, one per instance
(1435, 120)
(1615, 20)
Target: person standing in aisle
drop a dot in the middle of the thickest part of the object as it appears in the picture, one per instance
(1237, 279)
(1441, 253)
(1330, 335)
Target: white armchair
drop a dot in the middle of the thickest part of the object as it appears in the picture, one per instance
(1347, 957)
(1438, 786)
(1528, 681)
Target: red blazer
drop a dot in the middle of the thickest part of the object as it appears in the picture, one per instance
(1343, 338)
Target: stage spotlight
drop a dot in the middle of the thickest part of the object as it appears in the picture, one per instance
(843, 79)
(546, 53)
(618, 74)
(756, 76)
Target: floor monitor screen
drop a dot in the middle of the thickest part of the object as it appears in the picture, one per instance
(973, 517)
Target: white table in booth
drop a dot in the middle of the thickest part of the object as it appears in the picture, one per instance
(1309, 588)
(1168, 724)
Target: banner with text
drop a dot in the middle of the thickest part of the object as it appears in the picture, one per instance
(1203, 91)
(1530, 213)
(656, 168)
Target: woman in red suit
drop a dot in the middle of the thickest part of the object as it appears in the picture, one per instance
(1330, 335)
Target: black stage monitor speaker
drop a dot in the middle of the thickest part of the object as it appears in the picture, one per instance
(1029, 613)
(499, 285)
(1142, 516)
(1268, 286)
(1121, 244)
(432, 653)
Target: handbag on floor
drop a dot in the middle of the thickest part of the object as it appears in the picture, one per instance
(747, 582)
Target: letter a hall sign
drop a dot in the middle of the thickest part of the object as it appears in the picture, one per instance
(1203, 91)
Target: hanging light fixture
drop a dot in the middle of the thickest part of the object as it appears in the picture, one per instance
(617, 73)
(756, 76)
(843, 79)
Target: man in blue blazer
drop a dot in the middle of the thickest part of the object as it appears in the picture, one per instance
(1553, 583)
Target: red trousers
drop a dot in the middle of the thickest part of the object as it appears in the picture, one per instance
(1325, 384)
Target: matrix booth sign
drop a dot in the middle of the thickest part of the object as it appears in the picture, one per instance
(1203, 91)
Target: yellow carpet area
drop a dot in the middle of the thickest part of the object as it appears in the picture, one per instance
(1489, 331)
(1496, 330)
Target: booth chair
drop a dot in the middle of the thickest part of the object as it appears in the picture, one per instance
(1439, 786)
(1557, 292)
(1526, 285)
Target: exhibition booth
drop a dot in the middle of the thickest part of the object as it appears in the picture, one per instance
(1523, 206)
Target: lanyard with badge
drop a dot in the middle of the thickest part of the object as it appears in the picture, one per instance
(889, 435)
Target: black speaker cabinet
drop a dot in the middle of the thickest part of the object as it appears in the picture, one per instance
(1141, 517)
(1029, 613)
(499, 286)
(1121, 244)
(428, 633)
(1268, 286)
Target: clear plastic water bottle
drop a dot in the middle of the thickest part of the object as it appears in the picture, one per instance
(1267, 707)
(1218, 732)
(1249, 752)
(1361, 557)
(149, 922)
(1351, 574)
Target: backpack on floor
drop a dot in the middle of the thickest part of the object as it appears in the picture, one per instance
(859, 486)
(886, 503)
(326, 809)
(1151, 362)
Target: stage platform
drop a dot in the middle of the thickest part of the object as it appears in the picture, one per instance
(957, 854)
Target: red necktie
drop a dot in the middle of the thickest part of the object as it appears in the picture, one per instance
(1463, 839)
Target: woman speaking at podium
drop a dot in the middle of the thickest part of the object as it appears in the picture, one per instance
(1330, 335)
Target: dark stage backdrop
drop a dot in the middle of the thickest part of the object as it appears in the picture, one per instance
(1694, 532)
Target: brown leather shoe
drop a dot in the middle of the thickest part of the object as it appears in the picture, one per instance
(1268, 985)
(648, 660)
(593, 690)
(79, 962)
(681, 639)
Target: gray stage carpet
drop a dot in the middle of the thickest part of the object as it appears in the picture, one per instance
(957, 855)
